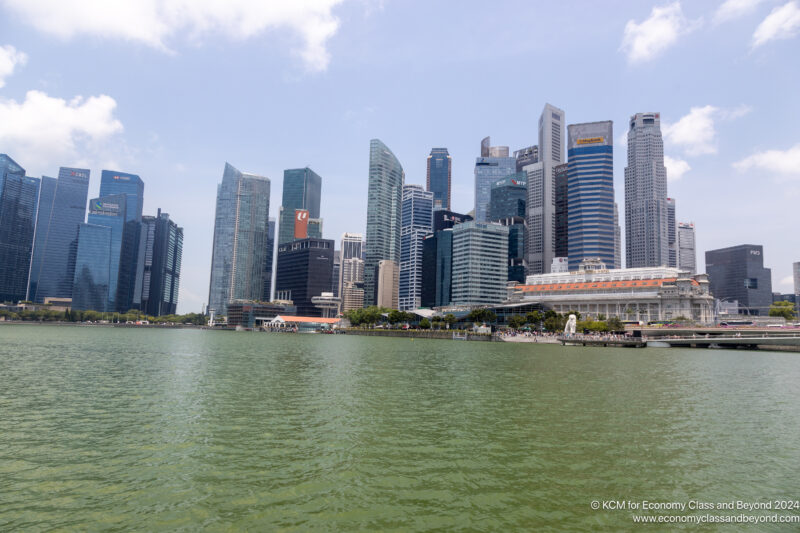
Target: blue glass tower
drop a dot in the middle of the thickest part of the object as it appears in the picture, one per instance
(19, 196)
(508, 197)
(302, 189)
(416, 223)
(97, 263)
(494, 164)
(62, 208)
(439, 175)
(590, 193)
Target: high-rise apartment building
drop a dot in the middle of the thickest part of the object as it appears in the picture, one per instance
(62, 208)
(646, 208)
(737, 274)
(241, 232)
(590, 197)
(479, 271)
(305, 268)
(384, 199)
(541, 205)
(19, 197)
(302, 189)
(416, 224)
(687, 253)
(561, 177)
(489, 168)
(439, 177)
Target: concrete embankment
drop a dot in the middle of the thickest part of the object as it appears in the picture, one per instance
(418, 334)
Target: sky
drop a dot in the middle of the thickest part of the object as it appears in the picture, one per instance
(173, 89)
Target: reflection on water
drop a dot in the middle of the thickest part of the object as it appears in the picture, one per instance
(169, 429)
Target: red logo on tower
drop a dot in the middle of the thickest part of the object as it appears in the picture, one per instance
(300, 223)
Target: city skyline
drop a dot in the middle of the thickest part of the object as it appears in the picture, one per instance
(727, 128)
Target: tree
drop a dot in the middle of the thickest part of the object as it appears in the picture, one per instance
(396, 316)
(424, 323)
(516, 321)
(782, 309)
(615, 324)
(450, 319)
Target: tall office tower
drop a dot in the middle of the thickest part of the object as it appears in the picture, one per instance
(160, 254)
(302, 189)
(388, 277)
(443, 219)
(617, 238)
(336, 273)
(508, 196)
(687, 253)
(737, 274)
(590, 201)
(516, 247)
(113, 182)
(437, 267)
(526, 156)
(270, 265)
(384, 199)
(672, 233)
(97, 262)
(488, 169)
(241, 231)
(796, 276)
(314, 228)
(305, 268)
(416, 223)
(562, 211)
(62, 208)
(19, 198)
(541, 191)
(438, 181)
(352, 245)
(480, 252)
(351, 278)
(646, 210)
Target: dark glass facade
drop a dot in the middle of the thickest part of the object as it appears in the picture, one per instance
(19, 197)
(526, 156)
(508, 197)
(562, 210)
(439, 174)
(516, 247)
(161, 251)
(437, 269)
(444, 219)
(62, 209)
(270, 261)
(302, 189)
(738, 274)
(305, 269)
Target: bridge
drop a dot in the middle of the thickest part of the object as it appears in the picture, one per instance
(752, 342)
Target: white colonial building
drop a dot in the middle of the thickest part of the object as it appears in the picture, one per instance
(646, 294)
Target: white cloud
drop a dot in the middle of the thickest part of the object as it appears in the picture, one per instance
(644, 41)
(733, 9)
(782, 23)
(783, 162)
(10, 57)
(787, 284)
(43, 132)
(694, 132)
(156, 22)
(676, 168)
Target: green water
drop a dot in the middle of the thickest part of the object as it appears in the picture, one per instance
(162, 430)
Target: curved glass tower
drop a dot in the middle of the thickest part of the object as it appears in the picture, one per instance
(385, 196)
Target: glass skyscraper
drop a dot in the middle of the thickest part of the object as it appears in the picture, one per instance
(384, 199)
(439, 177)
(302, 189)
(480, 258)
(97, 264)
(508, 196)
(416, 223)
(62, 208)
(241, 233)
(19, 197)
(160, 254)
(590, 196)
(488, 169)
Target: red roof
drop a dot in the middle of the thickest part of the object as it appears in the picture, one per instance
(597, 285)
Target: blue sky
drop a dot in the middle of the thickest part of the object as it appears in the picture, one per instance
(171, 90)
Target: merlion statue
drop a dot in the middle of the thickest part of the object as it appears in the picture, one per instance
(572, 322)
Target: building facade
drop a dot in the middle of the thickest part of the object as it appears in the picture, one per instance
(443, 219)
(489, 169)
(561, 177)
(160, 254)
(269, 270)
(737, 274)
(384, 199)
(302, 189)
(646, 206)
(305, 268)
(62, 208)
(508, 197)
(672, 233)
(416, 224)
(241, 232)
(685, 244)
(387, 282)
(526, 156)
(480, 258)
(439, 177)
(590, 196)
(19, 198)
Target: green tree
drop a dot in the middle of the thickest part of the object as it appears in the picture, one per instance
(615, 324)
(450, 319)
(424, 323)
(782, 309)
(516, 321)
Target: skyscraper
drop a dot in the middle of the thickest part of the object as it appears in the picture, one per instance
(646, 209)
(302, 189)
(305, 268)
(385, 194)
(480, 252)
(351, 272)
(488, 169)
(562, 211)
(617, 238)
(241, 232)
(737, 274)
(672, 236)
(440, 169)
(270, 267)
(437, 267)
(796, 276)
(590, 197)
(161, 251)
(541, 191)
(62, 208)
(687, 253)
(416, 223)
(526, 156)
(508, 196)
(19, 197)
(388, 277)
(97, 262)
